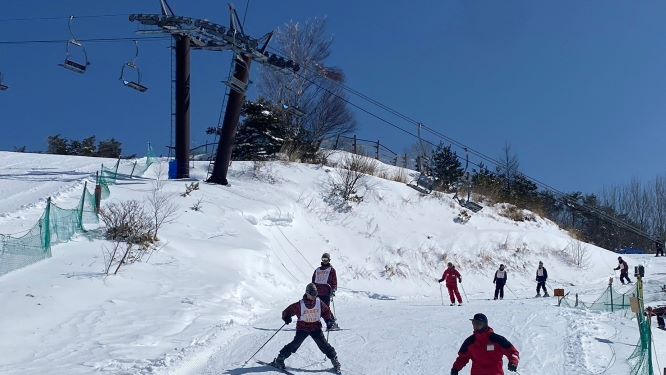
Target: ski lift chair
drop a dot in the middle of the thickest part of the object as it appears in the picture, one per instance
(423, 184)
(70, 64)
(3, 87)
(467, 203)
(129, 67)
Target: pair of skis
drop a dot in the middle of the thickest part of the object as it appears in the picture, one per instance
(286, 371)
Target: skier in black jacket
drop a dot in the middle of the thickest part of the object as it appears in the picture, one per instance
(500, 280)
(541, 277)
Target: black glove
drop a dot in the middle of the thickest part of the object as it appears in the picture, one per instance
(454, 372)
(512, 367)
(333, 293)
(440, 280)
(329, 324)
(460, 281)
(287, 320)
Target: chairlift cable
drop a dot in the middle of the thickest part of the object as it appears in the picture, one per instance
(600, 214)
(61, 17)
(90, 40)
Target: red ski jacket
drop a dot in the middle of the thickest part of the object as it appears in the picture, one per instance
(451, 276)
(485, 349)
(331, 284)
(295, 310)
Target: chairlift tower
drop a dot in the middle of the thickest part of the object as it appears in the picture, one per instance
(201, 34)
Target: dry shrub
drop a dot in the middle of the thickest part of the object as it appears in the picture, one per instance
(127, 222)
(352, 173)
(516, 214)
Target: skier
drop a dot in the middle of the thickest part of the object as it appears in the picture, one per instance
(541, 277)
(660, 248)
(659, 312)
(309, 311)
(326, 280)
(624, 270)
(485, 349)
(452, 277)
(500, 281)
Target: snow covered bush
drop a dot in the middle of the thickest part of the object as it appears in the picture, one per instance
(463, 217)
(127, 222)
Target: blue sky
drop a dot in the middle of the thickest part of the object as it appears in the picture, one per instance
(577, 88)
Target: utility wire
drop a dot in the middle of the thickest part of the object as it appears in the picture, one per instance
(601, 214)
(91, 40)
(61, 17)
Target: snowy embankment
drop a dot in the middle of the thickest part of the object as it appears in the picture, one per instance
(209, 297)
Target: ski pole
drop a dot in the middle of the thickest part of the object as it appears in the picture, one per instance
(441, 294)
(255, 353)
(514, 294)
(465, 293)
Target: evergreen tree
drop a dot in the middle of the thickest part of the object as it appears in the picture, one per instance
(57, 145)
(262, 133)
(446, 167)
(109, 148)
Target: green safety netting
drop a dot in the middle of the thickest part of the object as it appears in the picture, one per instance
(57, 224)
(610, 300)
(642, 355)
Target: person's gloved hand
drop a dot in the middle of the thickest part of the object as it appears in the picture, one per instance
(440, 280)
(454, 372)
(329, 324)
(460, 280)
(333, 293)
(512, 367)
(287, 320)
(493, 281)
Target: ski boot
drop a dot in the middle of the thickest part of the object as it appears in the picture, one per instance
(538, 295)
(278, 363)
(546, 294)
(453, 304)
(336, 364)
(460, 304)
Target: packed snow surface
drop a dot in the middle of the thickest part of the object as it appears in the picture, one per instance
(212, 291)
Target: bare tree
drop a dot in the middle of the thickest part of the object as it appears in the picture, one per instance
(509, 167)
(579, 253)
(352, 173)
(314, 89)
(161, 207)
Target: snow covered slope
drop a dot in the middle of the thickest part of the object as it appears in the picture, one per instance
(213, 292)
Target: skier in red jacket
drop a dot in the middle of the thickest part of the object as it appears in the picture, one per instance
(452, 278)
(309, 311)
(485, 349)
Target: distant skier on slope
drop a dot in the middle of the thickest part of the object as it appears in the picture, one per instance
(541, 277)
(309, 311)
(624, 270)
(452, 277)
(659, 247)
(500, 281)
(485, 349)
(326, 280)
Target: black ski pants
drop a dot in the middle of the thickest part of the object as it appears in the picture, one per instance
(624, 275)
(541, 285)
(317, 336)
(499, 288)
(660, 251)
